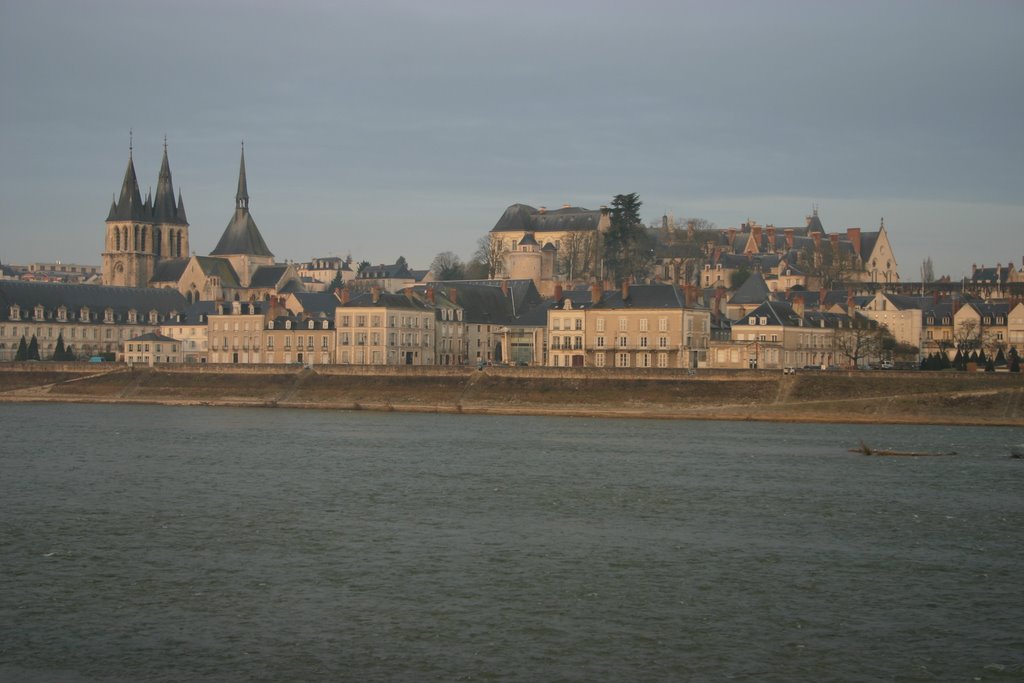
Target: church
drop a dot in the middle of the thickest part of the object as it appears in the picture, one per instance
(147, 245)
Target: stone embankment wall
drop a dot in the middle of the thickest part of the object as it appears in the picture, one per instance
(862, 397)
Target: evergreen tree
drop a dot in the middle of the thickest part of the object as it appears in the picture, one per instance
(982, 358)
(627, 249)
(990, 366)
(69, 353)
(337, 283)
(1014, 359)
(1000, 357)
(22, 353)
(958, 360)
(33, 349)
(58, 351)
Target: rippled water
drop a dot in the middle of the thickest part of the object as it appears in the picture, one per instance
(170, 544)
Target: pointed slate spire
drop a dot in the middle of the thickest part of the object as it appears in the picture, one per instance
(129, 204)
(242, 236)
(164, 209)
(112, 215)
(181, 210)
(242, 196)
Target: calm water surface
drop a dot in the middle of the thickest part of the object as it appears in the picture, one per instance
(168, 544)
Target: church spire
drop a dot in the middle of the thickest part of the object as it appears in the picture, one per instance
(164, 209)
(129, 204)
(242, 196)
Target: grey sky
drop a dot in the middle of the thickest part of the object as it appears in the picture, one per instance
(387, 128)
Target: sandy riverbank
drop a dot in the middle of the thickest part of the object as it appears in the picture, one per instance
(862, 398)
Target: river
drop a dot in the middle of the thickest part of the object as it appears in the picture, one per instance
(177, 543)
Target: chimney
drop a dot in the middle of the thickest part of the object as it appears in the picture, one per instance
(789, 238)
(558, 292)
(849, 302)
(834, 239)
(453, 294)
(798, 305)
(375, 293)
(755, 230)
(504, 287)
(771, 237)
(430, 295)
(853, 234)
(731, 233)
(543, 210)
(345, 295)
(595, 293)
(625, 290)
(974, 267)
(822, 293)
(816, 236)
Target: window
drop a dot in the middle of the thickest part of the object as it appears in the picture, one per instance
(643, 341)
(600, 324)
(600, 344)
(556, 323)
(623, 340)
(360, 321)
(663, 324)
(346, 321)
(662, 360)
(662, 342)
(643, 324)
(579, 324)
(623, 324)
(622, 360)
(599, 360)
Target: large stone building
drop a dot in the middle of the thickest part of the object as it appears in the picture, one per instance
(147, 245)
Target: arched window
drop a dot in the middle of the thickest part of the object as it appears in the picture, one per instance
(178, 251)
(157, 242)
(135, 242)
(143, 245)
(117, 239)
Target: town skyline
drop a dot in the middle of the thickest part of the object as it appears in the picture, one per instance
(396, 130)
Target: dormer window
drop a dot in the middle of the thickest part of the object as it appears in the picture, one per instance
(987, 320)
(945, 320)
(84, 314)
(764, 320)
(324, 325)
(62, 313)
(40, 313)
(311, 324)
(132, 317)
(15, 312)
(287, 324)
(752, 321)
(154, 318)
(108, 315)
(270, 324)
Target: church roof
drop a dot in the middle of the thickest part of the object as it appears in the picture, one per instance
(241, 236)
(129, 205)
(267, 276)
(169, 270)
(219, 267)
(165, 210)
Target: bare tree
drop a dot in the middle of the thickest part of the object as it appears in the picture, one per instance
(830, 267)
(859, 339)
(576, 254)
(491, 253)
(447, 266)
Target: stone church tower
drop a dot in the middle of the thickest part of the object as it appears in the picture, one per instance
(242, 244)
(141, 234)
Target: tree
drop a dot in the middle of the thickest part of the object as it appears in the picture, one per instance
(401, 262)
(33, 349)
(860, 340)
(1014, 359)
(448, 266)
(927, 270)
(363, 265)
(966, 338)
(627, 249)
(491, 253)
(576, 255)
(22, 353)
(831, 267)
(738, 277)
(69, 353)
(58, 350)
(337, 283)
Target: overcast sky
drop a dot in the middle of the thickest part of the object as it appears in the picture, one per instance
(390, 128)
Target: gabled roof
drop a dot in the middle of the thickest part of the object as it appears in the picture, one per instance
(523, 293)
(169, 270)
(480, 304)
(386, 272)
(218, 267)
(268, 276)
(775, 312)
(754, 290)
(385, 300)
(641, 296)
(152, 336)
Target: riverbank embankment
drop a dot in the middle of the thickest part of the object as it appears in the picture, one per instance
(951, 398)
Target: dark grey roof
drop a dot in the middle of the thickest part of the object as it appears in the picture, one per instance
(152, 336)
(315, 303)
(480, 304)
(242, 236)
(529, 240)
(521, 217)
(165, 210)
(219, 267)
(97, 299)
(524, 293)
(129, 206)
(641, 296)
(169, 270)
(754, 290)
(385, 299)
(268, 276)
(386, 271)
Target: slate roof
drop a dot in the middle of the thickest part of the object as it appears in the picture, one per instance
(386, 271)
(268, 276)
(152, 336)
(164, 208)
(480, 304)
(129, 206)
(754, 290)
(219, 267)
(97, 298)
(317, 303)
(385, 300)
(169, 270)
(640, 296)
(525, 218)
(242, 236)
(524, 293)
